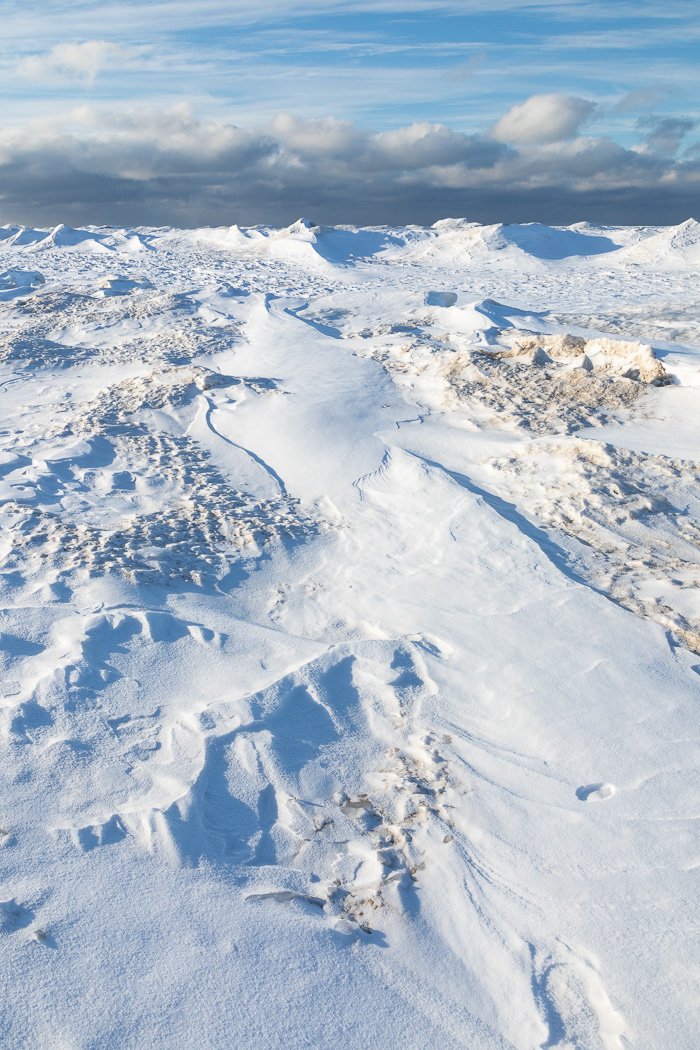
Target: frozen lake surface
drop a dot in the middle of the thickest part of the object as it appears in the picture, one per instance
(349, 637)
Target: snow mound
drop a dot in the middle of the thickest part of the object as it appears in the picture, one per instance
(301, 230)
(63, 236)
(458, 239)
(553, 242)
(305, 242)
(126, 241)
(483, 321)
(22, 236)
(675, 246)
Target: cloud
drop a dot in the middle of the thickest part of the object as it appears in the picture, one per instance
(70, 61)
(168, 166)
(416, 146)
(665, 134)
(423, 145)
(328, 137)
(641, 98)
(543, 118)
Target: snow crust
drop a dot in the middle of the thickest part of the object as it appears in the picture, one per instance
(349, 635)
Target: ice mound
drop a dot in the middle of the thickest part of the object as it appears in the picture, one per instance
(94, 239)
(301, 230)
(19, 282)
(22, 236)
(344, 246)
(339, 245)
(305, 242)
(454, 239)
(549, 383)
(553, 242)
(444, 299)
(484, 320)
(21, 279)
(127, 242)
(510, 368)
(673, 247)
(63, 236)
(460, 238)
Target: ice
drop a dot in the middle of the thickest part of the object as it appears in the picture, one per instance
(14, 283)
(349, 635)
(675, 246)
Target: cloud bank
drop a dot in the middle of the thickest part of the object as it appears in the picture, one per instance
(168, 166)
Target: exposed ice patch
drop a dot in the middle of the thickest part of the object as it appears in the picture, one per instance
(14, 283)
(113, 285)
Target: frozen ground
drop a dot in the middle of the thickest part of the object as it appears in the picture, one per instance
(349, 635)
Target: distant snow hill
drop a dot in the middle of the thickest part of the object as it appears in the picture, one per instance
(304, 242)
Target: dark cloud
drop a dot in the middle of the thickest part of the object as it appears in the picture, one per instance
(665, 134)
(157, 168)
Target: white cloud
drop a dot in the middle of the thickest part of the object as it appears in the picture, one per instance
(328, 137)
(413, 147)
(83, 61)
(543, 118)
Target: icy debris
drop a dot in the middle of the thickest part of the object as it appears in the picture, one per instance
(596, 792)
(114, 285)
(633, 519)
(303, 229)
(444, 299)
(21, 279)
(615, 357)
(173, 515)
(203, 528)
(541, 384)
(15, 283)
(205, 379)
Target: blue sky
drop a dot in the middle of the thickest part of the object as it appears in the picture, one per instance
(100, 75)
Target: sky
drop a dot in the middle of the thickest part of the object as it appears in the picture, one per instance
(213, 112)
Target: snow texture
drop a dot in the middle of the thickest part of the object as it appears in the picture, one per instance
(349, 635)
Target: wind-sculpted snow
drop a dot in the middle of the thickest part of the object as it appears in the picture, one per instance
(349, 624)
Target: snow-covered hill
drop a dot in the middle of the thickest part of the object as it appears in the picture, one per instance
(349, 634)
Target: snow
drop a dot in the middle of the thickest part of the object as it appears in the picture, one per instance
(676, 246)
(349, 634)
